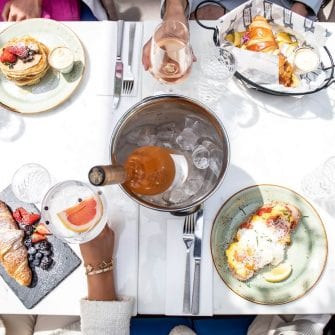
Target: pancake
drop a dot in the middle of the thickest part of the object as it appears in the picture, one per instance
(28, 61)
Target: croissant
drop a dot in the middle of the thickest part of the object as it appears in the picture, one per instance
(13, 254)
(261, 37)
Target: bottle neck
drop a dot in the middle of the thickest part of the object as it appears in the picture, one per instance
(107, 175)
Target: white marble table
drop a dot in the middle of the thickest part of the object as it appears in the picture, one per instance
(69, 140)
(275, 140)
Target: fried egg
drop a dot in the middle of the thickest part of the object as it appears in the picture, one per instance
(262, 239)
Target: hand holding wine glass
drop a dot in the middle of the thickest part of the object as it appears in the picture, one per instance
(171, 54)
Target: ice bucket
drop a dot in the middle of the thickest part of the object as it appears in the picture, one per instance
(159, 110)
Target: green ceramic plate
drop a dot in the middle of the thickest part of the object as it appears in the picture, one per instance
(54, 88)
(307, 253)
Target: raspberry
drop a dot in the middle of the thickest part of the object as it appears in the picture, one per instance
(19, 50)
(7, 57)
(24, 217)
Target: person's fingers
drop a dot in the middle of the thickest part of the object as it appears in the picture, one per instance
(21, 17)
(12, 17)
(5, 11)
(146, 55)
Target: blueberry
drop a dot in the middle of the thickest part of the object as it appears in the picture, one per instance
(27, 242)
(31, 251)
(31, 258)
(46, 252)
(38, 255)
(36, 262)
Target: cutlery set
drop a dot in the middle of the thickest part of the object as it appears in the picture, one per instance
(123, 76)
(192, 234)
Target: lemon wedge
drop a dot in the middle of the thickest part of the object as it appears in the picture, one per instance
(279, 273)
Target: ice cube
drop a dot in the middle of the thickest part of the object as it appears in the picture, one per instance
(200, 157)
(166, 131)
(142, 136)
(175, 196)
(187, 139)
(215, 156)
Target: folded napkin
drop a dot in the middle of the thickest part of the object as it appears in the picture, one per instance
(175, 269)
(108, 48)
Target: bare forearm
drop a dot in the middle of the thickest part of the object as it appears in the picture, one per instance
(175, 10)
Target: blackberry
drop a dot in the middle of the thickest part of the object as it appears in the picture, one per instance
(27, 242)
(46, 264)
(44, 245)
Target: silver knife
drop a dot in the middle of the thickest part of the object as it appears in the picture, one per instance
(199, 223)
(118, 65)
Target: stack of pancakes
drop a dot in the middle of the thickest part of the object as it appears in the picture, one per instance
(24, 73)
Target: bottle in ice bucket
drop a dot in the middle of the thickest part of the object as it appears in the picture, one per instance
(148, 170)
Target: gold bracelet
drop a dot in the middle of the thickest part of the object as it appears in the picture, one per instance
(104, 266)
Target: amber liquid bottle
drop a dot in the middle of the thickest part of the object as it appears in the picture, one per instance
(148, 170)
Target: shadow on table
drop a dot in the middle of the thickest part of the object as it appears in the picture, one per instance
(12, 125)
(316, 105)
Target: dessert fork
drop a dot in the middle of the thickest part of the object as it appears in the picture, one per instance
(128, 77)
(188, 238)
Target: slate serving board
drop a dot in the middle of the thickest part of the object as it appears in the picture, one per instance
(44, 281)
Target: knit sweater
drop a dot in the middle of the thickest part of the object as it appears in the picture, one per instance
(98, 318)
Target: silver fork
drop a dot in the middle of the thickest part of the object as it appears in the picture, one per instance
(188, 238)
(128, 77)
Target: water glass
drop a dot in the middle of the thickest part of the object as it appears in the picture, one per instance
(217, 65)
(30, 182)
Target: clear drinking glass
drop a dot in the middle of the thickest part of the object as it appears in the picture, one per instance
(75, 212)
(217, 65)
(171, 53)
(30, 182)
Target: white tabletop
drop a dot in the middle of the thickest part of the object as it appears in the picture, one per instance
(293, 136)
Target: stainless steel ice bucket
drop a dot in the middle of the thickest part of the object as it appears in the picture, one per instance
(162, 109)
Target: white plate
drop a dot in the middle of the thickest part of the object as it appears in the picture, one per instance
(54, 88)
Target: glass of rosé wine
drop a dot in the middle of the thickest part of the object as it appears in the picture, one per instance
(171, 53)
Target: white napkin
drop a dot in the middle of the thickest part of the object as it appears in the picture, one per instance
(175, 269)
(107, 47)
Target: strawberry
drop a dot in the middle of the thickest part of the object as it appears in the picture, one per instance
(36, 237)
(19, 50)
(22, 216)
(42, 229)
(7, 57)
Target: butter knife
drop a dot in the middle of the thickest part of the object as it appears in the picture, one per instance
(199, 223)
(118, 76)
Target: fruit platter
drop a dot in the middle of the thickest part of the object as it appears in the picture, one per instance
(32, 260)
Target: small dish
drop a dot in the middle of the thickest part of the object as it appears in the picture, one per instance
(306, 60)
(61, 59)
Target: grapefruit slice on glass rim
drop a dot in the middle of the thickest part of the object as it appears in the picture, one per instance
(82, 216)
